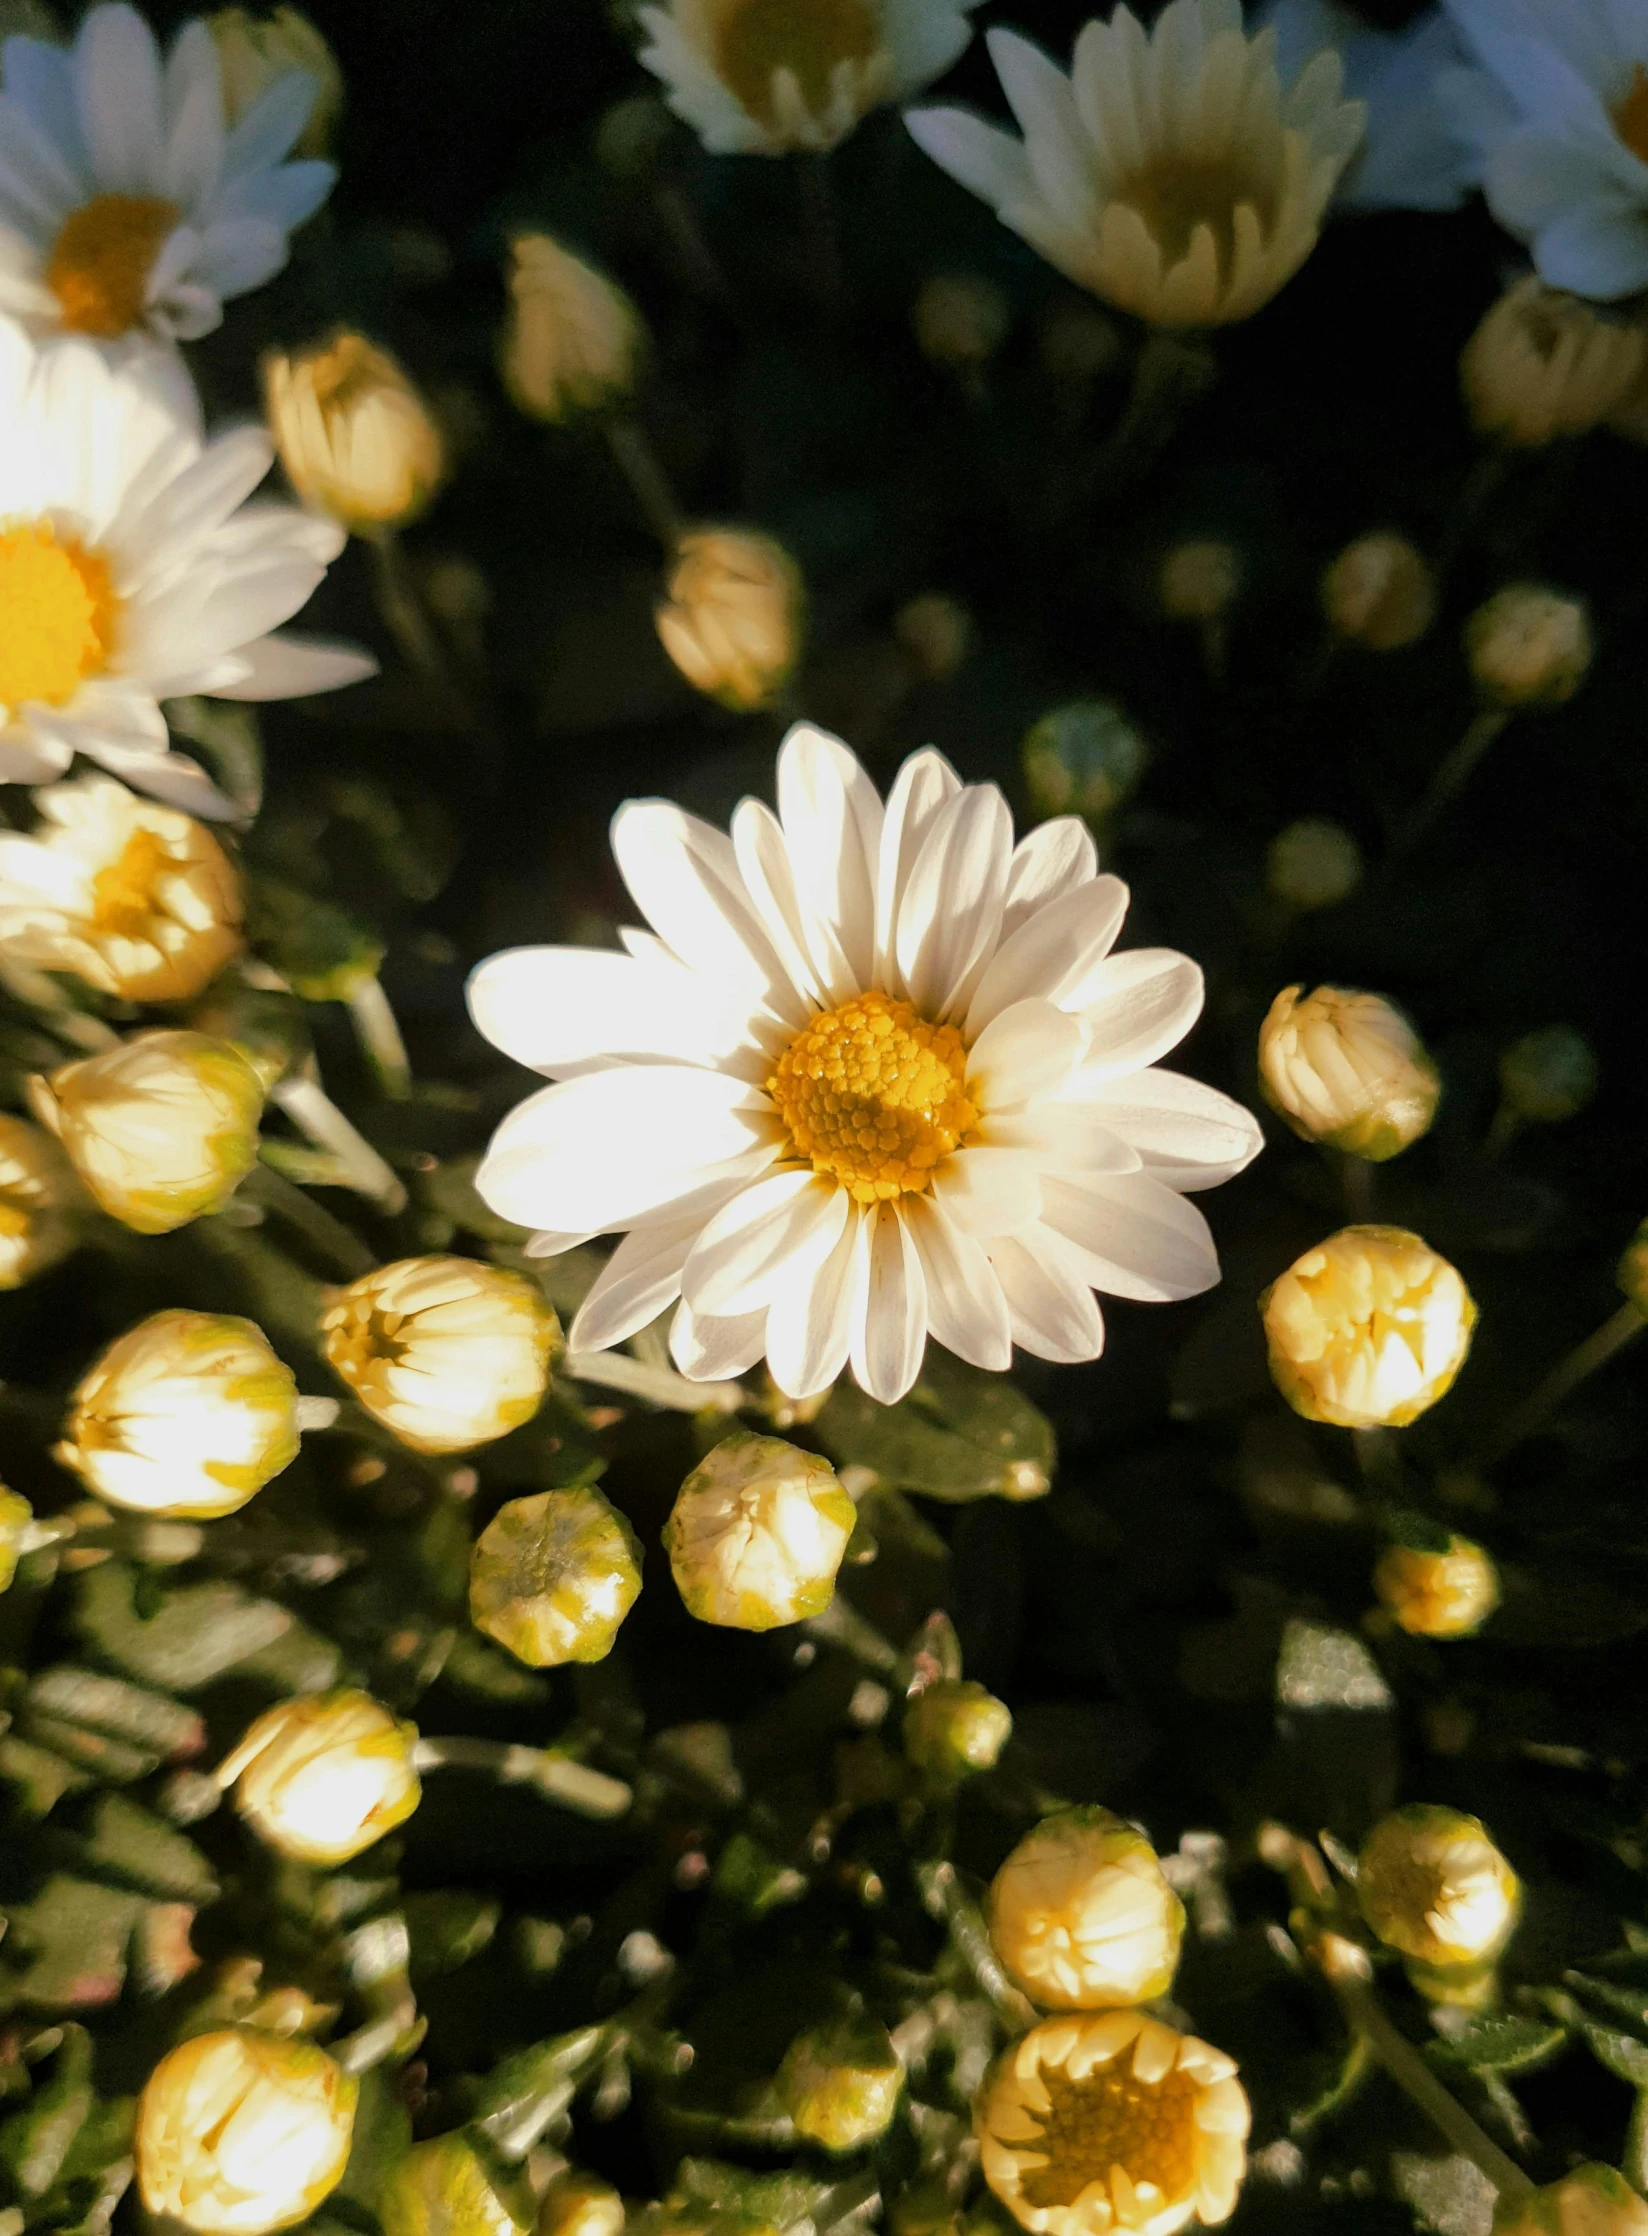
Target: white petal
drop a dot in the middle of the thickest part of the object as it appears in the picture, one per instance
(117, 87)
(296, 667)
(988, 1191)
(813, 1316)
(1140, 1005)
(923, 786)
(832, 826)
(557, 1009)
(1132, 1236)
(1052, 860)
(949, 918)
(1056, 953)
(769, 879)
(887, 1349)
(709, 1350)
(684, 879)
(640, 1280)
(1023, 1055)
(1063, 1137)
(787, 1223)
(966, 1311)
(1189, 1135)
(1054, 1314)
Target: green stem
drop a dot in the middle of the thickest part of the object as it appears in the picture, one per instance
(1456, 771)
(318, 1118)
(614, 1370)
(822, 229)
(344, 1248)
(1559, 1385)
(943, 1898)
(571, 1785)
(413, 631)
(379, 1033)
(649, 484)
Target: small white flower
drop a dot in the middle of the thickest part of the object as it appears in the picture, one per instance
(1413, 157)
(873, 1074)
(131, 570)
(128, 202)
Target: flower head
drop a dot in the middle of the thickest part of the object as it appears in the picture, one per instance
(841, 2084)
(1529, 647)
(573, 339)
(323, 1776)
(1379, 593)
(354, 435)
(757, 1532)
(1086, 759)
(187, 1414)
(130, 203)
(1446, 1594)
(553, 1576)
(39, 1200)
(1347, 1069)
(732, 618)
(1171, 173)
(1367, 1330)
(1433, 1886)
(875, 1073)
(240, 2132)
(955, 1727)
(446, 2188)
(1082, 1917)
(1589, 2201)
(1413, 156)
(1543, 364)
(255, 51)
(1313, 864)
(1112, 2122)
(767, 77)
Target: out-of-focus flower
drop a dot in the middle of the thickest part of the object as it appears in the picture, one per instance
(573, 339)
(1112, 2122)
(160, 1129)
(139, 901)
(1543, 364)
(16, 1517)
(1367, 1330)
(960, 319)
(1347, 1069)
(1200, 580)
(841, 2084)
(241, 2132)
(1548, 1076)
(553, 1576)
(732, 618)
(769, 77)
(355, 437)
(757, 1532)
(1433, 1886)
(39, 1200)
(1380, 593)
(954, 1728)
(1086, 759)
(1412, 156)
(886, 1078)
(1173, 175)
(1431, 1594)
(188, 1414)
(324, 1775)
(633, 135)
(580, 2204)
(935, 634)
(445, 2188)
(1082, 1917)
(1313, 864)
(1592, 2200)
(446, 1352)
(1632, 1271)
(1529, 647)
(129, 571)
(126, 205)
(255, 51)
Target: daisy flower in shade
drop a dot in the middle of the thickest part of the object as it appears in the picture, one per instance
(1172, 172)
(127, 201)
(1413, 157)
(769, 77)
(873, 1074)
(131, 570)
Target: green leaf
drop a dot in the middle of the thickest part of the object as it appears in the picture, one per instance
(35, 2141)
(1623, 2054)
(120, 1711)
(448, 1926)
(130, 1845)
(194, 1634)
(960, 1434)
(67, 1949)
(1501, 2045)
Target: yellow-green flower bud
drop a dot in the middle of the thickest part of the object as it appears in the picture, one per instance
(580, 2204)
(732, 619)
(1368, 1330)
(240, 2132)
(841, 2084)
(960, 319)
(16, 1517)
(757, 1533)
(39, 1199)
(1433, 1886)
(446, 2188)
(574, 339)
(1632, 1270)
(1529, 647)
(1438, 1594)
(1313, 864)
(1082, 1917)
(255, 50)
(1592, 2200)
(1200, 580)
(935, 634)
(1544, 364)
(324, 952)
(1379, 593)
(187, 1415)
(1347, 1069)
(1548, 1076)
(954, 1728)
(446, 1352)
(553, 1576)
(1084, 759)
(323, 1776)
(160, 1129)
(355, 437)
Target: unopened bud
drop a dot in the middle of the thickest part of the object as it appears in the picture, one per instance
(732, 618)
(1591, 2200)
(1200, 580)
(757, 1533)
(573, 340)
(580, 2204)
(1082, 1917)
(960, 319)
(446, 2188)
(1632, 1270)
(935, 634)
(1529, 647)
(1544, 364)
(16, 1520)
(553, 1576)
(841, 2084)
(1367, 1330)
(1549, 1076)
(324, 1775)
(632, 135)
(1433, 1886)
(953, 1729)
(1084, 759)
(241, 2132)
(1347, 1069)
(1431, 1594)
(40, 1202)
(1313, 864)
(355, 437)
(254, 50)
(324, 952)
(1380, 593)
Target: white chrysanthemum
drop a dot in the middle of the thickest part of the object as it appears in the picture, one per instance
(1413, 157)
(131, 571)
(769, 77)
(874, 1074)
(1173, 172)
(128, 202)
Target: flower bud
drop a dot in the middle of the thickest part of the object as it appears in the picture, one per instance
(39, 1200)
(1313, 864)
(580, 2204)
(757, 1533)
(16, 1520)
(446, 1352)
(1084, 759)
(1379, 593)
(1591, 2200)
(953, 1728)
(1529, 647)
(732, 621)
(240, 2132)
(1082, 1917)
(446, 2188)
(266, 1024)
(187, 1415)
(1200, 580)
(632, 135)
(841, 2084)
(322, 1776)
(1347, 1069)
(553, 1576)
(253, 51)
(1548, 1076)
(325, 953)
(1368, 1330)
(935, 634)
(960, 319)
(354, 435)
(1430, 1594)
(1543, 364)
(1632, 1270)
(573, 340)
(1433, 1886)
(160, 1129)
(134, 898)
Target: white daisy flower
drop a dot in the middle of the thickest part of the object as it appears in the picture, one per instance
(874, 1074)
(128, 202)
(131, 571)
(1412, 157)
(770, 77)
(1172, 173)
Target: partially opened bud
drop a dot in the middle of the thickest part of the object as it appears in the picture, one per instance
(1433, 1886)
(446, 1352)
(573, 340)
(732, 620)
(1347, 1069)
(960, 319)
(552, 1577)
(1544, 364)
(446, 2188)
(1082, 1917)
(354, 435)
(16, 1520)
(1084, 759)
(1591, 2200)
(40, 1200)
(955, 1727)
(757, 1533)
(1379, 593)
(1529, 647)
(1313, 864)
(1430, 1594)
(1368, 1330)
(160, 1129)
(580, 2204)
(841, 2084)
(240, 2132)
(254, 50)
(1548, 1076)
(325, 1775)
(1200, 580)
(189, 1414)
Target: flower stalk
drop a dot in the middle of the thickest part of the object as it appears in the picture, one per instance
(657, 1385)
(318, 1118)
(568, 1784)
(638, 462)
(378, 1030)
(1455, 772)
(1615, 1333)
(945, 1900)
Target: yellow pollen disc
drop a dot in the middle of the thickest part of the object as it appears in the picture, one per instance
(1113, 2119)
(57, 614)
(874, 1096)
(123, 894)
(808, 37)
(1631, 114)
(100, 262)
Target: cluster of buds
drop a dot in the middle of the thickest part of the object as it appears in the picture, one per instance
(732, 616)
(1368, 1329)
(355, 437)
(323, 1776)
(1348, 1070)
(552, 1577)
(1433, 1887)
(1082, 1916)
(757, 1534)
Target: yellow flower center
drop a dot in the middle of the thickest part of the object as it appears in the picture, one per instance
(808, 37)
(1111, 2118)
(100, 262)
(1631, 113)
(56, 614)
(874, 1096)
(123, 893)
(1174, 198)
(14, 1220)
